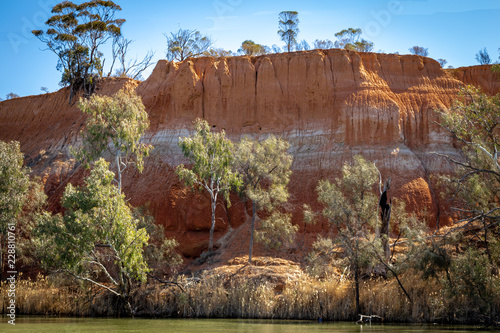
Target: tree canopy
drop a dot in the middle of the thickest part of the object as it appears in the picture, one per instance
(419, 50)
(323, 44)
(96, 230)
(351, 207)
(350, 39)
(116, 124)
(474, 120)
(75, 34)
(265, 171)
(187, 43)
(211, 157)
(289, 28)
(482, 57)
(218, 53)
(474, 194)
(250, 48)
(14, 185)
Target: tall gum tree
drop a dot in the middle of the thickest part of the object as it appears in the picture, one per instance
(115, 124)
(265, 171)
(76, 34)
(186, 43)
(97, 239)
(350, 205)
(288, 24)
(211, 157)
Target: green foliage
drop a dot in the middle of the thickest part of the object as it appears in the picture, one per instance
(14, 186)
(187, 43)
(212, 159)
(75, 34)
(419, 50)
(303, 46)
(432, 260)
(482, 57)
(352, 208)
(276, 231)
(34, 204)
(414, 232)
(471, 274)
(289, 28)
(474, 120)
(250, 48)
(160, 252)
(349, 39)
(14, 183)
(321, 257)
(472, 279)
(323, 44)
(350, 203)
(11, 96)
(264, 168)
(115, 123)
(442, 62)
(218, 53)
(97, 236)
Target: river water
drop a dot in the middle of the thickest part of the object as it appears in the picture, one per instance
(107, 325)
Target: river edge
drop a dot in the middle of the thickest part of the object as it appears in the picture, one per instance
(197, 322)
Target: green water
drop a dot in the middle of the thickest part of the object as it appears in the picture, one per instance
(60, 325)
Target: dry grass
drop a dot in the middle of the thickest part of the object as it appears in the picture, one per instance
(280, 289)
(271, 288)
(56, 296)
(40, 297)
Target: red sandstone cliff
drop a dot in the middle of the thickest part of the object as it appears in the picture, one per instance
(330, 105)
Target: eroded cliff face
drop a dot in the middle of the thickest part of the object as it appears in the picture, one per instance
(480, 76)
(329, 104)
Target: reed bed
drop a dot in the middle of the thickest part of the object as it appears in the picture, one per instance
(254, 292)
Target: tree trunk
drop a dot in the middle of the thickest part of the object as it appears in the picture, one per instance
(385, 216)
(119, 171)
(212, 227)
(356, 285)
(1, 258)
(252, 228)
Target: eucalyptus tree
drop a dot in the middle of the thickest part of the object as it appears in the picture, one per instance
(482, 57)
(265, 171)
(303, 46)
(288, 28)
(350, 39)
(323, 44)
(14, 185)
(97, 240)
(351, 207)
(211, 157)
(187, 43)
(474, 121)
(115, 124)
(419, 50)
(250, 48)
(76, 34)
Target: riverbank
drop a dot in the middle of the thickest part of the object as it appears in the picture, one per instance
(271, 288)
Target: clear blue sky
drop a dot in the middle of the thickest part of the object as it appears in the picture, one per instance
(451, 29)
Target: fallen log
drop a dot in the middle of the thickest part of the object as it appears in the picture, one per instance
(365, 318)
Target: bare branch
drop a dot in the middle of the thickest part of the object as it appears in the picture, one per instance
(94, 282)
